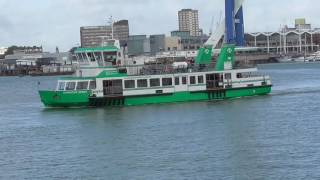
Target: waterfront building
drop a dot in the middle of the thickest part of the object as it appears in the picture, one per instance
(157, 43)
(20, 58)
(289, 40)
(181, 34)
(121, 30)
(173, 44)
(189, 21)
(143, 45)
(300, 24)
(189, 42)
(138, 45)
(92, 36)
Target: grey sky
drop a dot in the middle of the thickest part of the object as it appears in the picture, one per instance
(54, 23)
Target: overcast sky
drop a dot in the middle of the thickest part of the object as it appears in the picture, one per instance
(52, 23)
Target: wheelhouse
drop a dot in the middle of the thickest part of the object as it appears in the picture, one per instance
(99, 56)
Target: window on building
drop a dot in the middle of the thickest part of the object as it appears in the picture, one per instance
(227, 76)
(93, 85)
(184, 80)
(82, 85)
(200, 80)
(61, 86)
(192, 80)
(129, 84)
(71, 86)
(166, 81)
(142, 83)
(177, 81)
(154, 82)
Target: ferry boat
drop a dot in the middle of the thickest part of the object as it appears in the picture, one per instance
(106, 78)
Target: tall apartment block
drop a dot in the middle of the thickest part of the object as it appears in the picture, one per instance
(121, 30)
(189, 21)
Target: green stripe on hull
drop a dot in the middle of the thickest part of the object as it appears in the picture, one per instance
(65, 98)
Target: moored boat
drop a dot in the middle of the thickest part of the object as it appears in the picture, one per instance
(285, 59)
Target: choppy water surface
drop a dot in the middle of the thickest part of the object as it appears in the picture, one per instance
(268, 137)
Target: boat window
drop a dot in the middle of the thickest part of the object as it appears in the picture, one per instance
(154, 82)
(128, 84)
(77, 57)
(166, 81)
(184, 80)
(108, 57)
(105, 56)
(82, 85)
(91, 57)
(245, 75)
(227, 76)
(92, 85)
(61, 86)
(71, 86)
(142, 83)
(177, 81)
(98, 56)
(200, 80)
(239, 75)
(84, 57)
(192, 80)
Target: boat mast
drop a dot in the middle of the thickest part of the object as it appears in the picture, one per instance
(111, 22)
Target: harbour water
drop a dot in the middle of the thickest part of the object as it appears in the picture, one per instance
(268, 137)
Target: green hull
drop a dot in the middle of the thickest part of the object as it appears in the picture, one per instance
(82, 98)
(65, 98)
(198, 96)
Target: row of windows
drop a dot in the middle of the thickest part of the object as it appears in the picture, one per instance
(97, 56)
(155, 82)
(80, 85)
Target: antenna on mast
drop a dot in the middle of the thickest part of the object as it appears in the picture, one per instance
(211, 26)
(111, 24)
(220, 19)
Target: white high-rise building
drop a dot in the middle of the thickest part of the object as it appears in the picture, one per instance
(189, 21)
